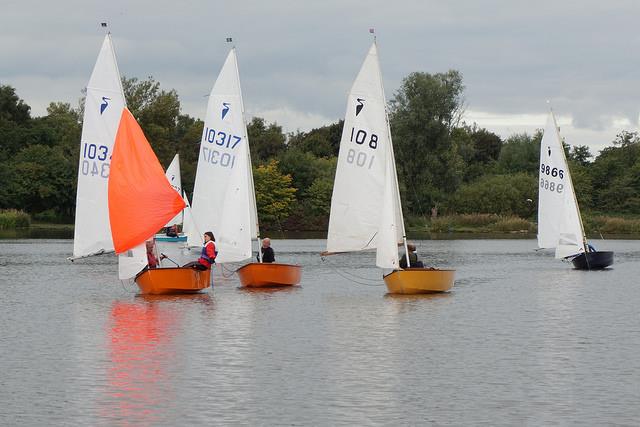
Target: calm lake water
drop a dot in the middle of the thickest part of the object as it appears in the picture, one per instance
(522, 340)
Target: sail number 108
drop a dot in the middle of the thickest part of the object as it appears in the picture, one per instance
(361, 158)
(361, 137)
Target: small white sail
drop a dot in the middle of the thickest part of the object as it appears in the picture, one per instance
(365, 205)
(103, 107)
(559, 223)
(221, 200)
(188, 225)
(173, 176)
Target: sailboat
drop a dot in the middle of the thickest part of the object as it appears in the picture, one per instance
(174, 178)
(366, 211)
(224, 199)
(141, 200)
(94, 234)
(559, 220)
(103, 105)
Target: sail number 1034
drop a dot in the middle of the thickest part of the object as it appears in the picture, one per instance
(363, 138)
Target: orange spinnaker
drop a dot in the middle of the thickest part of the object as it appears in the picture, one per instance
(141, 200)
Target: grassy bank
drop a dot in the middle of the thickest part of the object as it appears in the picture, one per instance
(492, 223)
(472, 223)
(12, 218)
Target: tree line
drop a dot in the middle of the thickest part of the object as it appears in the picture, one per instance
(444, 165)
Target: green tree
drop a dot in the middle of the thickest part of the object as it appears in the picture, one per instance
(615, 175)
(157, 111)
(188, 135)
(423, 113)
(274, 195)
(266, 142)
(520, 153)
(42, 178)
(321, 142)
(12, 108)
(512, 194)
(580, 154)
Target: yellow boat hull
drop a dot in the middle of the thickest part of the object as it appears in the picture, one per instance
(259, 275)
(175, 280)
(419, 281)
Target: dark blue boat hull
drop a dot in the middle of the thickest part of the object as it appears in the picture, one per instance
(592, 260)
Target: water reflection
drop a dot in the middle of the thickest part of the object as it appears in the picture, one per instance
(270, 290)
(142, 351)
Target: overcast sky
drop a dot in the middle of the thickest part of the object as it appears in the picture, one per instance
(298, 59)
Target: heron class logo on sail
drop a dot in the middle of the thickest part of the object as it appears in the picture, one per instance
(220, 154)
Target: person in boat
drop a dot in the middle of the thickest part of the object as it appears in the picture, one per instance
(590, 248)
(208, 254)
(267, 251)
(152, 259)
(172, 231)
(413, 258)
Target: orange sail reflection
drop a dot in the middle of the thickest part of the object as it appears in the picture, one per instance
(141, 350)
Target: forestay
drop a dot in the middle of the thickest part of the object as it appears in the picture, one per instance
(365, 205)
(103, 106)
(223, 200)
(173, 176)
(559, 222)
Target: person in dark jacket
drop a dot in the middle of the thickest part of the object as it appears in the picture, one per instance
(267, 251)
(172, 231)
(413, 258)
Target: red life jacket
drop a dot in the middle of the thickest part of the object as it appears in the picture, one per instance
(208, 255)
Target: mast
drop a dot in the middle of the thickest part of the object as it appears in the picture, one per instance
(392, 158)
(252, 191)
(573, 191)
(115, 61)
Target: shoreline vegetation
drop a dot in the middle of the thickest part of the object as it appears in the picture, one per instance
(471, 180)
(441, 227)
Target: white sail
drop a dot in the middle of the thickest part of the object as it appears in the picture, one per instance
(173, 176)
(559, 222)
(221, 202)
(132, 262)
(365, 205)
(188, 225)
(103, 107)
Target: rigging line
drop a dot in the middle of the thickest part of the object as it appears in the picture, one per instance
(345, 274)
(223, 268)
(130, 291)
(358, 282)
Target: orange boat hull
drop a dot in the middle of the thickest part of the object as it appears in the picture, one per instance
(176, 280)
(419, 281)
(269, 274)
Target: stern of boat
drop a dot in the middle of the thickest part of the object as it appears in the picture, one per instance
(419, 281)
(176, 280)
(269, 274)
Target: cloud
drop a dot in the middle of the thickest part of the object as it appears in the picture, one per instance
(298, 59)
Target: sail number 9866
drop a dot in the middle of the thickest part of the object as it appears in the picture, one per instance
(548, 170)
(551, 186)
